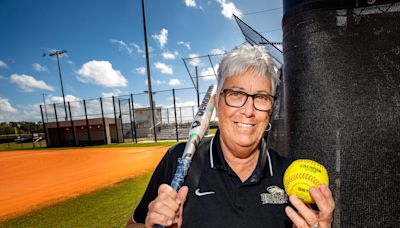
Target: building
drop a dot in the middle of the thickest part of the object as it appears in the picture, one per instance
(84, 132)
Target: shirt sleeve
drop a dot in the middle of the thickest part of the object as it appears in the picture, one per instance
(163, 174)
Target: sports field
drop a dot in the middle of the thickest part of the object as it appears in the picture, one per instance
(33, 178)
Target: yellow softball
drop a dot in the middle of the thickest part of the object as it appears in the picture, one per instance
(303, 174)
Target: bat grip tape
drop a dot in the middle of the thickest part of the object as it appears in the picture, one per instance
(181, 170)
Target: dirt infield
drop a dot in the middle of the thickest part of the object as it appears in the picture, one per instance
(31, 178)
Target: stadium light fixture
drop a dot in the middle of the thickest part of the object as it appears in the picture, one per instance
(58, 53)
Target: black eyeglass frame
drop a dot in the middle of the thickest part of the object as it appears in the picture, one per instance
(224, 91)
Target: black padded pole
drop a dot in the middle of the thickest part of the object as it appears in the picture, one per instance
(342, 94)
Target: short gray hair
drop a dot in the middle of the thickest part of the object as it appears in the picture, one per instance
(246, 57)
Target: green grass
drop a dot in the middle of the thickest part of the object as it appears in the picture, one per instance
(109, 207)
(28, 146)
(166, 143)
(22, 146)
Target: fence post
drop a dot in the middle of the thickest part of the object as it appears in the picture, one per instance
(122, 124)
(176, 120)
(37, 130)
(115, 119)
(180, 113)
(72, 124)
(58, 125)
(130, 117)
(134, 118)
(44, 126)
(168, 115)
(104, 122)
(87, 123)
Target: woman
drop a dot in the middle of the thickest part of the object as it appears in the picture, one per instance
(241, 180)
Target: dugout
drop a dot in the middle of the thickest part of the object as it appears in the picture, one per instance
(84, 132)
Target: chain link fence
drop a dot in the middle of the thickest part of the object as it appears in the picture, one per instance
(120, 119)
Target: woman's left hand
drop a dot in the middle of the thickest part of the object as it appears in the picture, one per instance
(306, 216)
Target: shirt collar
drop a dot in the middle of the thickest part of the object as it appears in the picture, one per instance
(263, 168)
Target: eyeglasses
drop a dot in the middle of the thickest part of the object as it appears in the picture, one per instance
(236, 99)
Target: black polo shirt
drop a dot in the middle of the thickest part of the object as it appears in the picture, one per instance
(221, 199)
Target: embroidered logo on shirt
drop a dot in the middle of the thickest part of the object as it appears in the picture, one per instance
(198, 193)
(274, 195)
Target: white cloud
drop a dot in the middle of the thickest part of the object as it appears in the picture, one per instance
(228, 8)
(115, 92)
(185, 112)
(216, 51)
(169, 55)
(101, 73)
(3, 64)
(104, 94)
(142, 50)
(209, 73)
(30, 112)
(186, 103)
(186, 44)
(39, 68)
(194, 61)
(26, 112)
(141, 70)
(174, 82)
(163, 68)
(139, 50)
(161, 38)
(156, 82)
(28, 83)
(190, 3)
(6, 107)
(75, 104)
(171, 98)
(59, 99)
(122, 45)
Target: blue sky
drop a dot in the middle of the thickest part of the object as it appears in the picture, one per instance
(105, 45)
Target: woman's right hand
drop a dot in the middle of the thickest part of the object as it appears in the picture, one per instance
(167, 208)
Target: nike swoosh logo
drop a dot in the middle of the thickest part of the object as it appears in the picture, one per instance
(198, 193)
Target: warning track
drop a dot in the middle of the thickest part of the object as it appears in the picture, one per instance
(29, 179)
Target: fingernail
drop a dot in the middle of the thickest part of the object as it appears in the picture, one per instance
(289, 210)
(169, 222)
(313, 189)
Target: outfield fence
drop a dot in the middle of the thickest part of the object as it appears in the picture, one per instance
(121, 119)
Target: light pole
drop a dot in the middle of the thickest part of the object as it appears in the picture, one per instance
(148, 70)
(57, 53)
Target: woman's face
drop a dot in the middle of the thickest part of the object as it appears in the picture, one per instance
(243, 128)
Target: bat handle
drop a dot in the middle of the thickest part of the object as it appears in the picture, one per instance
(181, 170)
